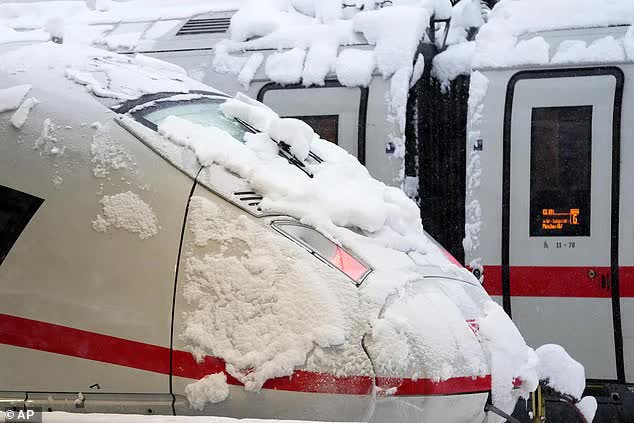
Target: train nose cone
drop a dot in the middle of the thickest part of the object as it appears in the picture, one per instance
(427, 359)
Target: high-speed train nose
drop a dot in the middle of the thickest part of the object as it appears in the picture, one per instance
(428, 361)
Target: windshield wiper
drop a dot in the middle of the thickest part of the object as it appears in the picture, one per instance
(284, 150)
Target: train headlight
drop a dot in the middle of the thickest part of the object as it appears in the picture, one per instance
(324, 249)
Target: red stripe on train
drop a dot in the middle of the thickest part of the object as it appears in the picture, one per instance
(559, 281)
(447, 387)
(64, 340)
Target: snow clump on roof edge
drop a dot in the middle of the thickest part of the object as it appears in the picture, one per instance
(497, 40)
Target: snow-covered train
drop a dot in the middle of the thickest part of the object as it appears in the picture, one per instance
(549, 205)
(169, 250)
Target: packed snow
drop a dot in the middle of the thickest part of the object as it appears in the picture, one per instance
(129, 212)
(465, 15)
(319, 61)
(406, 336)
(108, 153)
(498, 41)
(588, 408)
(454, 61)
(210, 389)
(478, 87)
(509, 356)
(250, 68)
(311, 39)
(49, 142)
(35, 15)
(286, 67)
(295, 133)
(287, 312)
(565, 375)
(601, 50)
(11, 98)
(512, 35)
(22, 113)
(354, 67)
(561, 371)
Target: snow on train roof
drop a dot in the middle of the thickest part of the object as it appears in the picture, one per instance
(112, 25)
(499, 41)
(35, 14)
(315, 39)
(541, 32)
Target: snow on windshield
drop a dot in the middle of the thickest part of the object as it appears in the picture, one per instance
(340, 194)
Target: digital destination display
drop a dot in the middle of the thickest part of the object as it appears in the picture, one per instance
(552, 220)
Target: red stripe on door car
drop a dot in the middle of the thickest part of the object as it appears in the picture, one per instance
(64, 340)
(559, 281)
(446, 387)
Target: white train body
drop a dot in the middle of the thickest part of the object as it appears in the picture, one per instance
(121, 252)
(550, 208)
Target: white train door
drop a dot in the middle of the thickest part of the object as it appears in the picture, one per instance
(560, 213)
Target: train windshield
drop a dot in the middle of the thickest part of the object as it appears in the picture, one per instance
(204, 111)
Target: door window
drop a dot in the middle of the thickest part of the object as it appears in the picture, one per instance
(560, 169)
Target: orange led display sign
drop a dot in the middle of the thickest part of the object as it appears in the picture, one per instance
(553, 220)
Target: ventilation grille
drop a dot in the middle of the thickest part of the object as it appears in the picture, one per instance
(249, 198)
(205, 26)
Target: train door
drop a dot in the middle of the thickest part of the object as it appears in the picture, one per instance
(560, 213)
